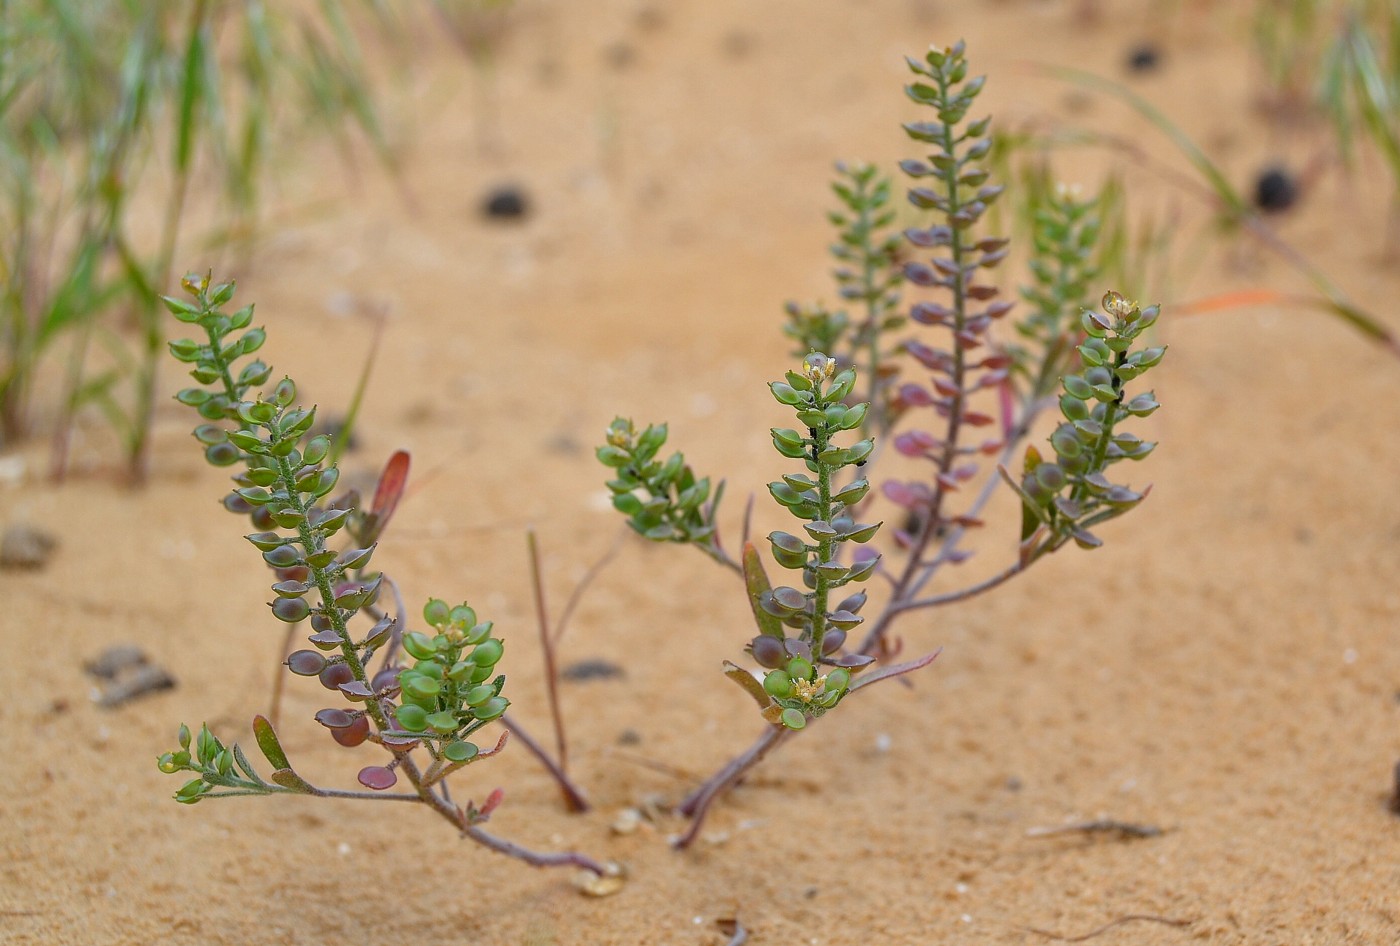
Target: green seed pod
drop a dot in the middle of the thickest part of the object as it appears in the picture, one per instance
(435, 612)
(290, 610)
(785, 393)
(460, 751)
(478, 695)
(1050, 476)
(316, 449)
(838, 680)
(418, 645)
(793, 719)
(491, 709)
(444, 722)
(461, 671)
(191, 792)
(480, 674)
(222, 454)
(421, 687)
(411, 717)
(777, 684)
(321, 558)
(788, 550)
(479, 633)
(284, 393)
(487, 653)
(799, 669)
(166, 764)
(853, 417)
(1074, 408)
(788, 442)
(853, 493)
(1065, 440)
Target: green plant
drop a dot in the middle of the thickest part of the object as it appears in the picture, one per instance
(802, 639)
(424, 713)
(108, 106)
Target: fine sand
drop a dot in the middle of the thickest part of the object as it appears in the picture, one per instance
(1225, 668)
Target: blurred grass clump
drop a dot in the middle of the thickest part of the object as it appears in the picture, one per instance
(116, 116)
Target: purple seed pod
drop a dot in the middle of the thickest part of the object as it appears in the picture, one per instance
(832, 641)
(768, 651)
(335, 718)
(308, 663)
(334, 675)
(793, 647)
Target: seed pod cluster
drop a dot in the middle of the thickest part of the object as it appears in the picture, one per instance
(663, 500)
(286, 475)
(1065, 261)
(817, 395)
(868, 274)
(451, 690)
(952, 182)
(1071, 493)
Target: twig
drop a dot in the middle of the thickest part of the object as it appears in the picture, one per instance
(584, 583)
(1124, 829)
(1011, 571)
(551, 670)
(574, 798)
(534, 858)
(1132, 917)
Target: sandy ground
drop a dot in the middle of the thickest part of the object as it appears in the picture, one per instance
(1226, 668)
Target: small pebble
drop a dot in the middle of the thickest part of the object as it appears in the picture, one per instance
(594, 668)
(505, 203)
(1275, 190)
(128, 674)
(608, 884)
(628, 820)
(26, 547)
(1143, 58)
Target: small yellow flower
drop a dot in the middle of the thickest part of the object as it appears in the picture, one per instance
(808, 690)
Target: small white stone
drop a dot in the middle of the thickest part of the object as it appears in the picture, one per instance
(343, 849)
(1349, 655)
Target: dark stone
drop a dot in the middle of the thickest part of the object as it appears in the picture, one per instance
(1144, 58)
(1275, 190)
(594, 668)
(505, 203)
(128, 674)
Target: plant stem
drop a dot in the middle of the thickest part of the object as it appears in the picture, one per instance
(458, 817)
(551, 671)
(574, 798)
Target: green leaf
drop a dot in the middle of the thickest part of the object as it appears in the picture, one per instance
(756, 581)
(748, 683)
(270, 746)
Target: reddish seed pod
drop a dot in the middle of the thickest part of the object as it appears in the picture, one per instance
(334, 675)
(352, 735)
(378, 777)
